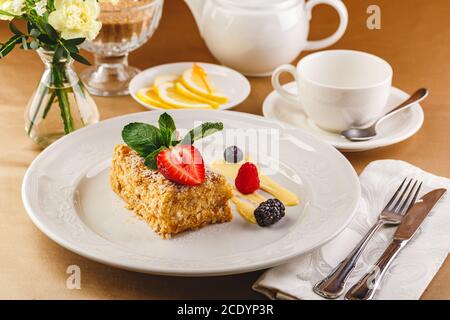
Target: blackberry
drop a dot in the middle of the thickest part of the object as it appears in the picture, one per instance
(269, 212)
(233, 154)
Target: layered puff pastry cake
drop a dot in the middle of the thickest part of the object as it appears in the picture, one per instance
(167, 206)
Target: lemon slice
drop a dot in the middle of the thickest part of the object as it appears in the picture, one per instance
(169, 95)
(181, 89)
(149, 96)
(196, 80)
(159, 80)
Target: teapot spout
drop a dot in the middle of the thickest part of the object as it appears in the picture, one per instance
(196, 7)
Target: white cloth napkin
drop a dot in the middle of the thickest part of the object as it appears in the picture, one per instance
(412, 270)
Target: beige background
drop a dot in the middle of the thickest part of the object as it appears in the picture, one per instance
(415, 39)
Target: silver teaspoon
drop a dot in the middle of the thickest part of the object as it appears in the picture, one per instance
(358, 134)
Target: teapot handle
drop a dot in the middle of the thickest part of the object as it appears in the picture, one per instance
(343, 22)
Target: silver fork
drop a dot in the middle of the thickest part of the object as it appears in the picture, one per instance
(334, 284)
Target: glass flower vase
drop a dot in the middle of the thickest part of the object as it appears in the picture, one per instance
(61, 103)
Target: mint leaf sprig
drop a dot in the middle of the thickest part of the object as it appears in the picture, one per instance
(148, 141)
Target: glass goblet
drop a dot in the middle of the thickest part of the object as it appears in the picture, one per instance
(125, 27)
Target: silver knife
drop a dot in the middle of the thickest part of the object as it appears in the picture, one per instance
(366, 287)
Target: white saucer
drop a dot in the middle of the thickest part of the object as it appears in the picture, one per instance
(395, 129)
(231, 83)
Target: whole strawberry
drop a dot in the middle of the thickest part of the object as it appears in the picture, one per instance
(247, 179)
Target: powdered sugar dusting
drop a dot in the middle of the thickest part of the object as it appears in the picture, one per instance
(136, 162)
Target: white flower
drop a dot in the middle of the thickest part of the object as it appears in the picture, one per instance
(76, 18)
(14, 7)
(40, 7)
(113, 2)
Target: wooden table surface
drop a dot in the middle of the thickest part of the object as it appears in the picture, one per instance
(414, 38)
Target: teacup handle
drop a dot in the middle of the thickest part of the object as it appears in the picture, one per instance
(279, 88)
(343, 22)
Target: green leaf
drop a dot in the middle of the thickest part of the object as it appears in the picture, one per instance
(75, 56)
(202, 131)
(51, 32)
(51, 5)
(9, 45)
(74, 41)
(59, 51)
(165, 121)
(150, 160)
(30, 27)
(166, 137)
(46, 39)
(72, 48)
(167, 128)
(141, 137)
(65, 54)
(14, 29)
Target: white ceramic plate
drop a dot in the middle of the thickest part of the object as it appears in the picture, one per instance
(398, 128)
(231, 83)
(66, 193)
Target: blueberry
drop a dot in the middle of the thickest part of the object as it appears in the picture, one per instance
(233, 154)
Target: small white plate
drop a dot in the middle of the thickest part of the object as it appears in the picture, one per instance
(67, 194)
(398, 128)
(230, 82)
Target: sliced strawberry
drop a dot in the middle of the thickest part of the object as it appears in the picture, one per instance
(183, 164)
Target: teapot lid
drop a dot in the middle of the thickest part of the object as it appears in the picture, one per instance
(258, 4)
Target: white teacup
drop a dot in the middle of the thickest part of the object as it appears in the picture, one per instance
(339, 89)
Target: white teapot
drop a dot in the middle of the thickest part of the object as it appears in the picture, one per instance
(256, 36)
